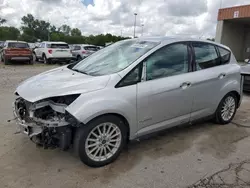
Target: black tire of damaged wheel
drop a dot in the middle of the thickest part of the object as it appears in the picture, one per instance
(218, 114)
(83, 132)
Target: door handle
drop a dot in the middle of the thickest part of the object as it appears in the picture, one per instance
(185, 85)
(222, 75)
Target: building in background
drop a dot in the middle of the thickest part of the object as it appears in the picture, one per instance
(233, 30)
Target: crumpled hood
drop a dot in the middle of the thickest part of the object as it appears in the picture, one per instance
(58, 82)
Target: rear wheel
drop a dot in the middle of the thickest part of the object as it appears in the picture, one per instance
(101, 141)
(6, 61)
(226, 109)
(79, 58)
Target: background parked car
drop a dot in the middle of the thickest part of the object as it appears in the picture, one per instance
(16, 51)
(1, 44)
(82, 51)
(53, 52)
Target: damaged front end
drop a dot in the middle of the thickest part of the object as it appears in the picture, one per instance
(47, 121)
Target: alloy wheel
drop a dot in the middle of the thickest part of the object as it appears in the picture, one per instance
(228, 108)
(103, 141)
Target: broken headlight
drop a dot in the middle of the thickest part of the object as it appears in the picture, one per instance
(67, 99)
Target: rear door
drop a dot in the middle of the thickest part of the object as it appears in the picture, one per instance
(209, 77)
(60, 50)
(76, 50)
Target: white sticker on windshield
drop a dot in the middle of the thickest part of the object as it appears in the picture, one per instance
(139, 46)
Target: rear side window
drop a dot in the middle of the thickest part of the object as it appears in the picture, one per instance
(18, 45)
(91, 48)
(77, 48)
(225, 55)
(63, 46)
(205, 56)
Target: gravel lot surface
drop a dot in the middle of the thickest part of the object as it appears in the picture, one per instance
(179, 157)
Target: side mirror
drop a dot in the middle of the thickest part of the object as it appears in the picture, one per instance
(246, 61)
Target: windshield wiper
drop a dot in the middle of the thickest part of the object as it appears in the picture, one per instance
(79, 71)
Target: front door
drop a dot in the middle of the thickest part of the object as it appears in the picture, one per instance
(164, 98)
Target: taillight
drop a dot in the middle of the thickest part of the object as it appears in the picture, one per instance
(50, 51)
(84, 52)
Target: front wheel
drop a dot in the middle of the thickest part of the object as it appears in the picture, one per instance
(226, 109)
(101, 141)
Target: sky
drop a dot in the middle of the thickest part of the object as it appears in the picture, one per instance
(192, 18)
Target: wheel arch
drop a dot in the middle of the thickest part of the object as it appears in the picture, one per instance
(238, 96)
(122, 117)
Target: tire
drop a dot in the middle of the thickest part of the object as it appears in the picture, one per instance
(229, 105)
(79, 58)
(45, 60)
(6, 61)
(84, 138)
(31, 62)
(35, 57)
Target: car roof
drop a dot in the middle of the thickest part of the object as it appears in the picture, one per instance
(15, 41)
(169, 39)
(54, 42)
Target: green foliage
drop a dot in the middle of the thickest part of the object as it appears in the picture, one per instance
(2, 21)
(76, 32)
(212, 39)
(9, 33)
(33, 29)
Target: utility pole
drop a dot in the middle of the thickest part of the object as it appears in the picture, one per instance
(135, 23)
(142, 29)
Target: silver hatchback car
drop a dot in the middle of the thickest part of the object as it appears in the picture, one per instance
(126, 90)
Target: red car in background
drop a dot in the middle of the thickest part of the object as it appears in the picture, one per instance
(14, 51)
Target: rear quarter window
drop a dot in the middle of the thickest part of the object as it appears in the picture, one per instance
(91, 48)
(205, 55)
(225, 55)
(18, 45)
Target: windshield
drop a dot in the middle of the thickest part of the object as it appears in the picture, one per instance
(114, 58)
(18, 45)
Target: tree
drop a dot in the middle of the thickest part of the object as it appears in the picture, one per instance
(9, 33)
(212, 39)
(76, 32)
(65, 29)
(35, 29)
(2, 21)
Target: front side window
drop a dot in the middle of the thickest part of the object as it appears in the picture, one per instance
(225, 55)
(42, 45)
(167, 61)
(114, 58)
(132, 78)
(205, 55)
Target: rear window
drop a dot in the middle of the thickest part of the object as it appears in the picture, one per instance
(18, 45)
(63, 46)
(91, 48)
